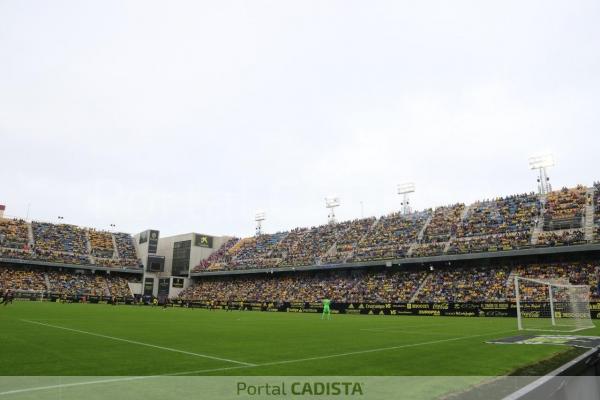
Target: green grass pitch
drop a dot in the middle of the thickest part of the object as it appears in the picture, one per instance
(90, 339)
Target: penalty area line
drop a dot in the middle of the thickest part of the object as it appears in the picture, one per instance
(141, 343)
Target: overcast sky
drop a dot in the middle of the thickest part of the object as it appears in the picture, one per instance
(191, 115)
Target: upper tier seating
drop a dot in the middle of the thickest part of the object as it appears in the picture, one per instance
(565, 208)
(221, 255)
(499, 216)
(561, 238)
(59, 237)
(13, 233)
(391, 237)
(444, 223)
(102, 243)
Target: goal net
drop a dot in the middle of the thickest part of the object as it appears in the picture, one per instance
(552, 305)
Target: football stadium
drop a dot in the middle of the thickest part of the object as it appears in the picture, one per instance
(299, 199)
(435, 286)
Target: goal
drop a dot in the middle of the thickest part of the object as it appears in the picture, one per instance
(552, 305)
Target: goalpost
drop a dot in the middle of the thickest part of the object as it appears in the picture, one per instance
(544, 305)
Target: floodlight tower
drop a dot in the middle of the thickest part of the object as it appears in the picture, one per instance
(405, 189)
(331, 202)
(541, 163)
(259, 217)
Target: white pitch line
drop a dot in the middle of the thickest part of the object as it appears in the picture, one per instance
(141, 343)
(404, 346)
(124, 379)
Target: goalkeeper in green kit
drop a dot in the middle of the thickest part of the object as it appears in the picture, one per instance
(326, 309)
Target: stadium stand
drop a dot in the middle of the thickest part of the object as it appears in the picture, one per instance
(464, 285)
(59, 237)
(66, 282)
(344, 286)
(444, 223)
(490, 243)
(500, 224)
(449, 284)
(561, 238)
(574, 273)
(305, 248)
(13, 233)
(565, 208)
(22, 279)
(428, 249)
(222, 255)
(66, 244)
(500, 216)
(102, 243)
(347, 240)
(391, 237)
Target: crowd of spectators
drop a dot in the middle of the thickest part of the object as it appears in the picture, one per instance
(252, 252)
(428, 249)
(58, 257)
(490, 243)
(464, 285)
(500, 224)
(22, 279)
(444, 223)
(118, 286)
(339, 286)
(561, 238)
(116, 262)
(311, 245)
(510, 214)
(578, 273)
(565, 208)
(217, 258)
(67, 282)
(448, 284)
(66, 244)
(101, 243)
(14, 233)
(59, 237)
(390, 237)
(73, 284)
(347, 240)
(126, 247)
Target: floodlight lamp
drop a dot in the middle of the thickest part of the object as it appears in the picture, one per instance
(404, 188)
(260, 216)
(332, 201)
(543, 161)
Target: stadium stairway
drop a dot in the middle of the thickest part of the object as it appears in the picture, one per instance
(465, 212)
(47, 280)
(88, 242)
(115, 249)
(424, 282)
(537, 229)
(589, 216)
(422, 231)
(30, 234)
(351, 253)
